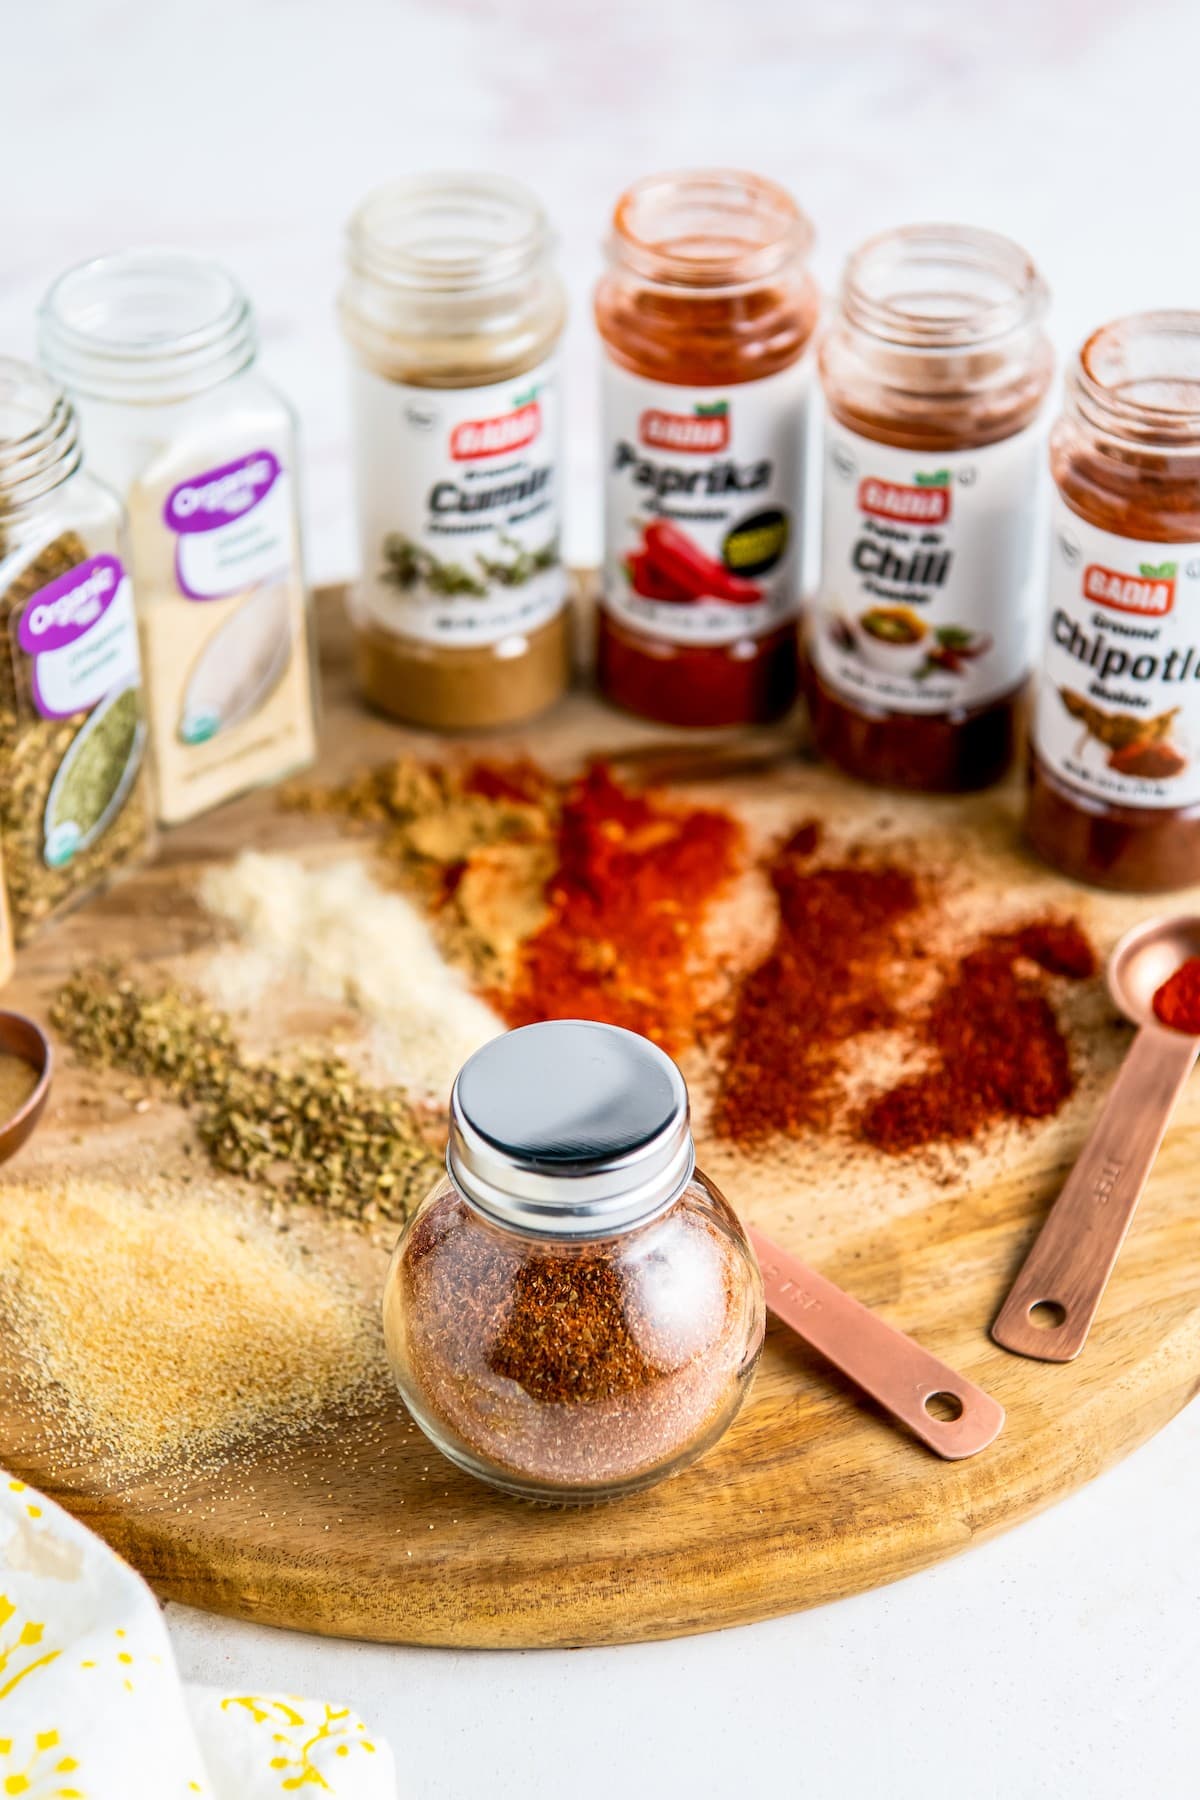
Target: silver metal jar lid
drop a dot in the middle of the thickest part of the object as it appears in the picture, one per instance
(570, 1129)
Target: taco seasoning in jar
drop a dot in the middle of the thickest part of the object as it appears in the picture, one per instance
(705, 313)
(574, 1312)
(921, 641)
(75, 802)
(1114, 776)
(453, 312)
(158, 349)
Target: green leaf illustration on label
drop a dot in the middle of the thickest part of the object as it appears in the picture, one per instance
(1159, 571)
(939, 478)
(712, 409)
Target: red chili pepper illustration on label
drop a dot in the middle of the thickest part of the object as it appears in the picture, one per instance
(648, 580)
(701, 577)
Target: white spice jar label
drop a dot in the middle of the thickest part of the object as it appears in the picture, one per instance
(458, 507)
(233, 526)
(224, 620)
(81, 635)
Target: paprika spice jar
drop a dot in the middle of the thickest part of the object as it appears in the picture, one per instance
(934, 376)
(1114, 780)
(705, 314)
(574, 1312)
(453, 312)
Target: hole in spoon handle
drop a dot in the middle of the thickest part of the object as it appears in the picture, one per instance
(937, 1404)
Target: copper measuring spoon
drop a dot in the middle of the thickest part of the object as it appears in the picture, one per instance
(23, 1038)
(905, 1379)
(1051, 1305)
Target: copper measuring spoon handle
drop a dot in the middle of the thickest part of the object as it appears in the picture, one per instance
(1051, 1304)
(890, 1367)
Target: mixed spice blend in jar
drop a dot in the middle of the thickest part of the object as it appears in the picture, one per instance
(1114, 793)
(453, 312)
(705, 314)
(75, 802)
(923, 635)
(574, 1312)
(158, 351)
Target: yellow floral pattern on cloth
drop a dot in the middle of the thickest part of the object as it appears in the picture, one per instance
(92, 1707)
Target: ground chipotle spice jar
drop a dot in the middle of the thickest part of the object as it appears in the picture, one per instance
(574, 1312)
(1114, 795)
(705, 314)
(453, 313)
(922, 638)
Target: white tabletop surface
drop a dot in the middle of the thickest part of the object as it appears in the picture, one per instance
(1064, 1658)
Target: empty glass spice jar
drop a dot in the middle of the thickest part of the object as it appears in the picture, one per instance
(575, 1311)
(158, 349)
(921, 642)
(453, 312)
(75, 803)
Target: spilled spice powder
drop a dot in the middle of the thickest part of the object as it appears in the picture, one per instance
(996, 1048)
(636, 876)
(827, 979)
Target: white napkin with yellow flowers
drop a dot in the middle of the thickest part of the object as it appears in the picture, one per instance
(92, 1707)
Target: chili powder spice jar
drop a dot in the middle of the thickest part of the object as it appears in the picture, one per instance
(453, 313)
(1114, 775)
(705, 314)
(921, 641)
(574, 1312)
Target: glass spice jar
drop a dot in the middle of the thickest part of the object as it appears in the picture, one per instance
(921, 641)
(75, 801)
(158, 351)
(705, 313)
(1114, 772)
(453, 313)
(574, 1312)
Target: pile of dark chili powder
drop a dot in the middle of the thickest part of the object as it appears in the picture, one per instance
(850, 940)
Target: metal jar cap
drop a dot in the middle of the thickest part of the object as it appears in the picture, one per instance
(570, 1128)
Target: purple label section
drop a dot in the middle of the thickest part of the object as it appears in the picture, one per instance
(208, 501)
(63, 610)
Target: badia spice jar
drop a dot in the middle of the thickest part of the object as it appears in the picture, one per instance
(921, 640)
(75, 801)
(574, 1312)
(453, 312)
(158, 349)
(705, 313)
(1114, 774)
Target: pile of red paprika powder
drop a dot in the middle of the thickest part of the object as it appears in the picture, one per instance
(1177, 1001)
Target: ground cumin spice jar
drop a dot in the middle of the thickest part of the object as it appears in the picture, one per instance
(1114, 780)
(158, 349)
(75, 803)
(574, 1312)
(453, 313)
(705, 314)
(921, 641)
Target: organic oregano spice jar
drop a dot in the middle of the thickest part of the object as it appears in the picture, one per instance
(75, 803)
(158, 351)
(453, 310)
(574, 1312)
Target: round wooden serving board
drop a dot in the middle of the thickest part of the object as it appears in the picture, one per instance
(813, 1494)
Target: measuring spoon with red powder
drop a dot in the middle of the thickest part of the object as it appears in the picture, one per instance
(1154, 978)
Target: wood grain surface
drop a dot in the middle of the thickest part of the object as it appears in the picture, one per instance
(813, 1494)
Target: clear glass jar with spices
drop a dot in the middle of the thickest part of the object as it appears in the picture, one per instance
(75, 800)
(574, 1312)
(158, 351)
(705, 313)
(920, 643)
(1114, 771)
(453, 312)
